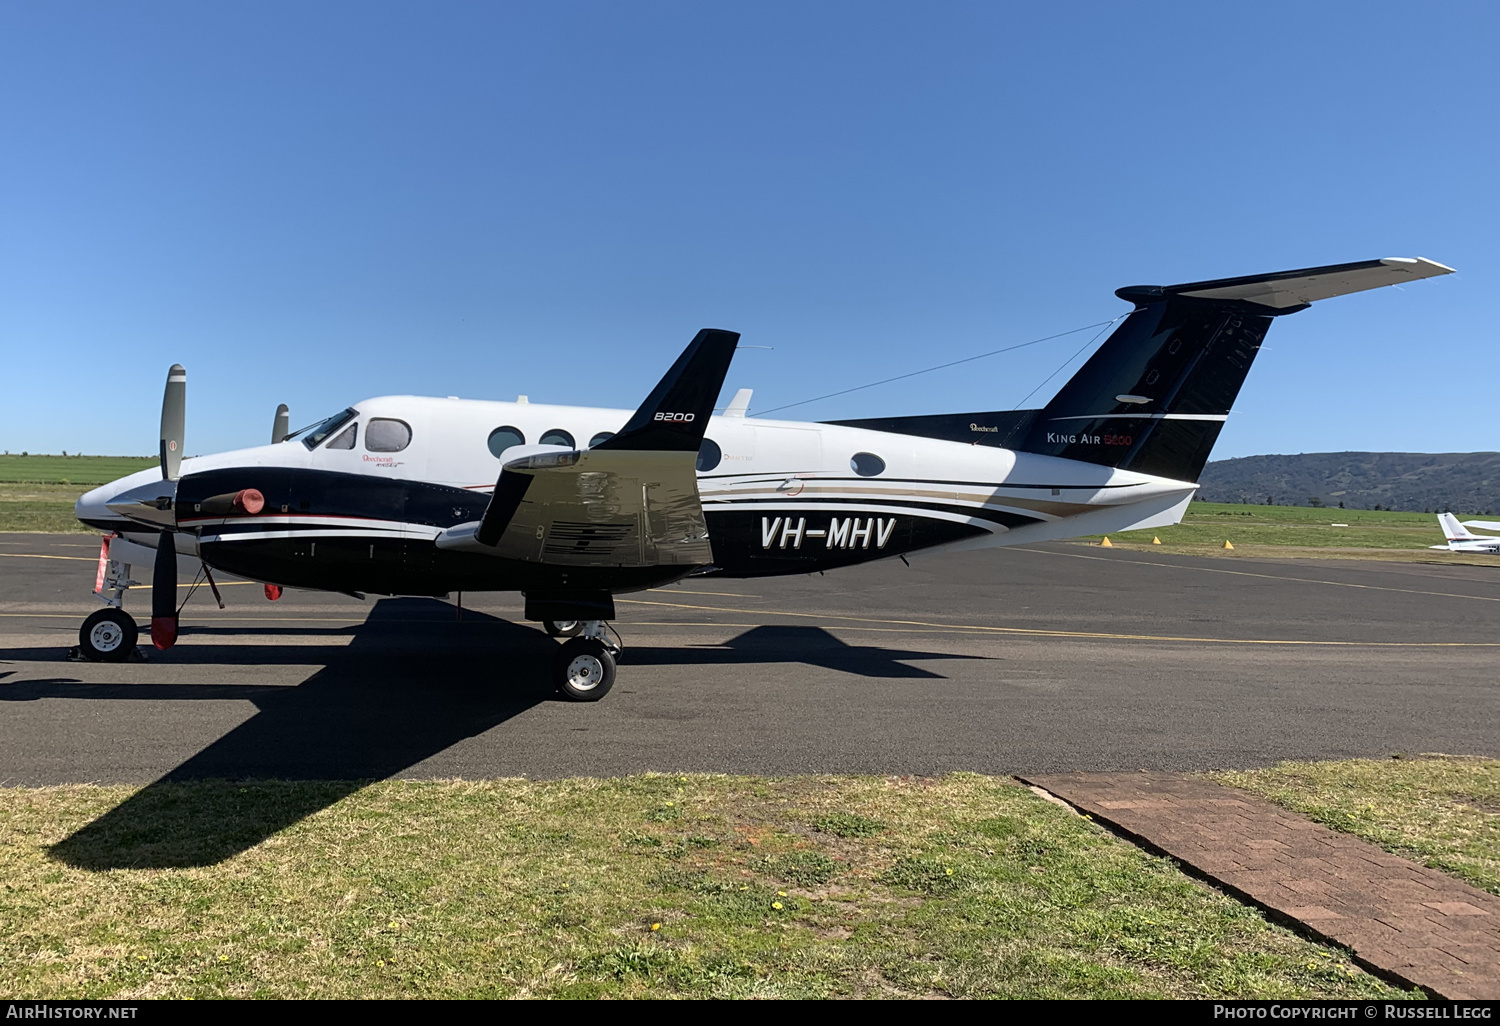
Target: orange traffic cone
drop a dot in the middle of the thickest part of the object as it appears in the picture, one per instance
(1227, 544)
(1155, 540)
(1105, 543)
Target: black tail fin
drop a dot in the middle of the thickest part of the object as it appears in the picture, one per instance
(1155, 396)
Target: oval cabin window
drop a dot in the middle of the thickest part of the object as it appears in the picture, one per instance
(709, 455)
(503, 438)
(602, 436)
(557, 436)
(385, 435)
(867, 464)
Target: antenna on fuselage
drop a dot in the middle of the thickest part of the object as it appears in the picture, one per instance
(282, 425)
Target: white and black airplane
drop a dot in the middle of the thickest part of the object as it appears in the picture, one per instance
(403, 495)
(1461, 539)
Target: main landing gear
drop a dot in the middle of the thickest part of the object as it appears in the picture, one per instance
(584, 667)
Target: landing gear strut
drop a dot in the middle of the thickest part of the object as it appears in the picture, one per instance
(584, 667)
(109, 635)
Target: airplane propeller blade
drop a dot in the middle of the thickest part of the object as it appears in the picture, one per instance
(164, 592)
(173, 421)
(282, 425)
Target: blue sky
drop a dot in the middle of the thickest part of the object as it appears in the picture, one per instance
(315, 203)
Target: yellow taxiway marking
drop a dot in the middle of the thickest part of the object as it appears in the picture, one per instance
(726, 594)
(1269, 577)
(35, 555)
(1038, 632)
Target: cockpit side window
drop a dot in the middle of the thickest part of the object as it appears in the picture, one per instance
(383, 434)
(313, 436)
(346, 439)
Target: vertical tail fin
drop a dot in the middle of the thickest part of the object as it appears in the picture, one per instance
(1453, 530)
(1155, 396)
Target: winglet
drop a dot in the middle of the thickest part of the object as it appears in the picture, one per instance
(675, 414)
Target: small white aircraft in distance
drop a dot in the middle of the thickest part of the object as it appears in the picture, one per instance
(1461, 539)
(571, 506)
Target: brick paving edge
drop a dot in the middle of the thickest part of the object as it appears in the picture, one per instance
(1300, 926)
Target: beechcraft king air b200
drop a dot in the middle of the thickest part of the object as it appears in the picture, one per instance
(572, 505)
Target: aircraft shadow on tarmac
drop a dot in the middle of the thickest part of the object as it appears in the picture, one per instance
(410, 684)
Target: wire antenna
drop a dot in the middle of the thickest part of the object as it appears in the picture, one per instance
(1069, 360)
(954, 363)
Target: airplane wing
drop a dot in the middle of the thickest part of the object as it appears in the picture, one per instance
(1483, 525)
(630, 501)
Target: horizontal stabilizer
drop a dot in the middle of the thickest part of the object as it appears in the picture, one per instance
(1289, 291)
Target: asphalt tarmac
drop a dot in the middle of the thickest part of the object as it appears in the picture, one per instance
(1034, 660)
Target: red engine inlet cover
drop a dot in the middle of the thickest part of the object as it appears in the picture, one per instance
(250, 500)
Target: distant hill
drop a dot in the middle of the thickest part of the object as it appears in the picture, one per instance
(1464, 482)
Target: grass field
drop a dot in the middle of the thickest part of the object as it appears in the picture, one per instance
(1289, 531)
(37, 493)
(701, 886)
(69, 470)
(1437, 810)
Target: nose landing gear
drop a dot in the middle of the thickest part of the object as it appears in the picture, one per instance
(584, 667)
(108, 635)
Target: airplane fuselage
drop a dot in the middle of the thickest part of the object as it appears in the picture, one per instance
(779, 497)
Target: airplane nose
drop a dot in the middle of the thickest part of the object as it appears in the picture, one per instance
(127, 501)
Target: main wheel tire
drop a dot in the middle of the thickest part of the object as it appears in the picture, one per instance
(563, 628)
(584, 669)
(108, 636)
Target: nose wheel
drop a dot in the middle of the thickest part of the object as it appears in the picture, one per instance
(584, 667)
(563, 628)
(108, 636)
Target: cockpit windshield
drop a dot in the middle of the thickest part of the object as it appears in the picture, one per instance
(313, 435)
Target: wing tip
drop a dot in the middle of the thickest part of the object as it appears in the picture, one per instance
(1428, 268)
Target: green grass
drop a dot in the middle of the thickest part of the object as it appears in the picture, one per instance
(70, 470)
(37, 493)
(1298, 530)
(1441, 811)
(660, 886)
(46, 508)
